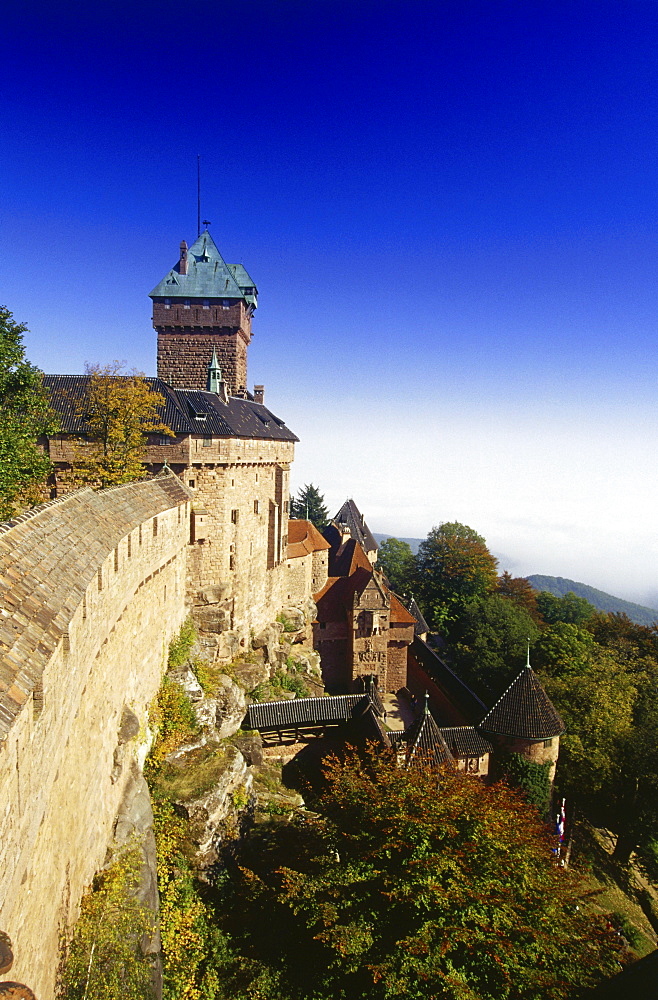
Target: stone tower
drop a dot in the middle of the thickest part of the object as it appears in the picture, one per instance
(203, 305)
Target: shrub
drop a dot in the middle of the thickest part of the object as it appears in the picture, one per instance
(181, 645)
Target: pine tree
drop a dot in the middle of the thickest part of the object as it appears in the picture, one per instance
(309, 505)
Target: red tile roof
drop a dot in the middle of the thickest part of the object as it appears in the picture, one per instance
(304, 538)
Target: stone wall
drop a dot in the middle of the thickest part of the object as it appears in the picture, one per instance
(240, 492)
(184, 356)
(93, 588)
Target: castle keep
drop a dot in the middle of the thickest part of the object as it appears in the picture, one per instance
(203, 305)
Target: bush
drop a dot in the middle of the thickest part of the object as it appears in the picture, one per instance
(103, 960)
(181, 645)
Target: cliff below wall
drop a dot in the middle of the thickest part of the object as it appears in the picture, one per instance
(92, 588)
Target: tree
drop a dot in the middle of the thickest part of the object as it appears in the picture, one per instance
(420, 884)
(521, 591)
(25, 415)
(396, 561)
(454, 566)
(118, 411)
(490, 643)
(309, 505)
(571, 609)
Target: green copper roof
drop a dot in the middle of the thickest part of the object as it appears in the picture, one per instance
(208, 276)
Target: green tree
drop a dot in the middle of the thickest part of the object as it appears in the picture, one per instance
(397, 562)
(309, 505)
(25, 415)
(421, 884)
(119, 411)
(454, 566)
(490, 643)
(571, 609)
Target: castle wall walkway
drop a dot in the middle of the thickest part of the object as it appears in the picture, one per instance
(92, 587)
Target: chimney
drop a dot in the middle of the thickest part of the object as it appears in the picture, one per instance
(182, 264)
(259, 393)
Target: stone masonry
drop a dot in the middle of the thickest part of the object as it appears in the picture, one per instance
(93, 588)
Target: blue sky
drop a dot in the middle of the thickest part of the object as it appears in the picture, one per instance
(449, 209)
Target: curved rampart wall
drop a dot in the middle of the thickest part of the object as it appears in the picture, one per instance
(92, 588)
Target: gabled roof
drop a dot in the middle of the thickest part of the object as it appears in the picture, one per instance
(425, 742)
(399, 614)
(208, 276)
(348, 557)
(304, 538)
(524, 711)
(185, 411)
(350, 515)
(465, 741)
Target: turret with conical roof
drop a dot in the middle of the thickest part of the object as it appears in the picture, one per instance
(524, 721)
(203, 304)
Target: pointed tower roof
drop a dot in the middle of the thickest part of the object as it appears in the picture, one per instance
(350, 515)
(214, 374)
(424, 740)
(421, 627)
(208, 276)
(524, 711)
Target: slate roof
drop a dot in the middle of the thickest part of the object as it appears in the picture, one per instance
(307, 711)
(185, 411)
(524, 711)
(425, 742)
(421, 627)
(465, 741)
(208, 276)
(304, 538)
(75, 534)
(458, 693)
(350, 515)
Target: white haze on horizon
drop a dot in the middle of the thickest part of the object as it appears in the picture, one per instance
(571, 497)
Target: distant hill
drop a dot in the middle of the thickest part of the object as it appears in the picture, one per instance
(413, 543)
(604, 602)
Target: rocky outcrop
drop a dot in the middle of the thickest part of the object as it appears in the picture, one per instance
(134, 827)
(211, 786)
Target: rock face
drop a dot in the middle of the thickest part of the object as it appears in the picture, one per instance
(134, 825)
(268, 639)
(211, 810)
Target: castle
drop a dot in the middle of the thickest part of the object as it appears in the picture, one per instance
(94, 584)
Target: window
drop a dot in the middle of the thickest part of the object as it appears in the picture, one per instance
(548, 743)
(192, 484)
(167, 303)
(472, 765)
(207, 442)
(140, 534)
(286, 506)
(323, 624)
(231, 562)
(235, 515)
(233, 482)
(100, 578)
(226, 304)
(206, 303)
(155, 527)
(256, 506)
(130, 547)
(116, 560)
(186, 304)
(163, 441)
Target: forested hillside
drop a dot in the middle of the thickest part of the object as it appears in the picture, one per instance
(559, 586)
